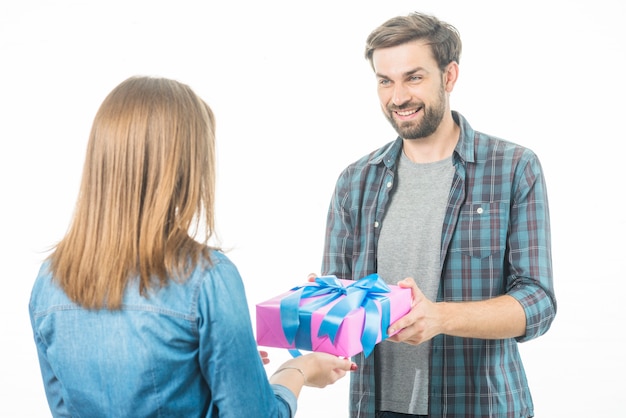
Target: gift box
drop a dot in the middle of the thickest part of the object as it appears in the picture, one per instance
(341, 317)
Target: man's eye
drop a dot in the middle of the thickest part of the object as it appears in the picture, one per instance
(383, 82)
(415, 78)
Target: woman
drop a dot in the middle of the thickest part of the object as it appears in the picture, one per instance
(134, 313)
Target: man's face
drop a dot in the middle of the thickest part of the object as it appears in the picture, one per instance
(410, 89)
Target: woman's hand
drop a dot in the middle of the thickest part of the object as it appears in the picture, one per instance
(264, 357)
(314, 369)
(322, 369)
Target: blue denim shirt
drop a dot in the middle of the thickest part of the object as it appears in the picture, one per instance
(187, 350)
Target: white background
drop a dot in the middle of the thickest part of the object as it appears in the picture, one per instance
(295, 102)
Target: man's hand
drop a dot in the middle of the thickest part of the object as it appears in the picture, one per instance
(421, 323)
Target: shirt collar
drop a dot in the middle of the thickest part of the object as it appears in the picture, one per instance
(464, 149)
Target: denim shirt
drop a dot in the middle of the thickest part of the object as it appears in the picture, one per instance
(186, 350)
(495, 241)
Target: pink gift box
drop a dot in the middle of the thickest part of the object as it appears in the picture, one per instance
(347, 341)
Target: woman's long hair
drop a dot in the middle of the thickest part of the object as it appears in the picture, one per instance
(147, 191)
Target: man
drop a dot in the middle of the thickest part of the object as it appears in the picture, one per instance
(463, 218)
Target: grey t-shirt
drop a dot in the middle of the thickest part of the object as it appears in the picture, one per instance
(409, 246)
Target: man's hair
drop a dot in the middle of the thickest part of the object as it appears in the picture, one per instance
(147, 189)
(443, 38)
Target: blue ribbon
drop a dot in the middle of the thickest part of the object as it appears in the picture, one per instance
(296, 320)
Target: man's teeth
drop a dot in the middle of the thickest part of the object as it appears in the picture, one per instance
(406, 112)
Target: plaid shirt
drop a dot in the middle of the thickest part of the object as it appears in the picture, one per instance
(496, 240)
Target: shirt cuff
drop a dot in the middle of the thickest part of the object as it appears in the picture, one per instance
(287, 397)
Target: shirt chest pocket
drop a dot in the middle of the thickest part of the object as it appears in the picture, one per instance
(482, 228)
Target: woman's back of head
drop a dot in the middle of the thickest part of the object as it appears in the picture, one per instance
(148, 186)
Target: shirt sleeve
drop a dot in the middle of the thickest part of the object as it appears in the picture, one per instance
(52, 385)
(338, 246)
(531, 281)
(228, 353)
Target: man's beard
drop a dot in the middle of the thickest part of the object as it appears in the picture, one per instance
(431, 119)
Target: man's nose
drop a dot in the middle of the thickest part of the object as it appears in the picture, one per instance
(401, 94)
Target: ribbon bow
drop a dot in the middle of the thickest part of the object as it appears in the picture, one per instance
(361, 293)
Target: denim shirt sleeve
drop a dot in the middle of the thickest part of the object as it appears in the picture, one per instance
(228, 354)
(52, 385)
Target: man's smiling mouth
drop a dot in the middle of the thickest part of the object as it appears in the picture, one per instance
(406, 112)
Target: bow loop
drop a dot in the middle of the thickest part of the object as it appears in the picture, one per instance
(296, 319)
(327, 286)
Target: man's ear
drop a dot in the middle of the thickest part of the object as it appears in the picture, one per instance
(450, 76)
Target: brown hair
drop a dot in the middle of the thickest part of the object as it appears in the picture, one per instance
(147, 190)
(443, 38)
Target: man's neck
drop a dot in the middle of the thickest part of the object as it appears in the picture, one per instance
(436, 147)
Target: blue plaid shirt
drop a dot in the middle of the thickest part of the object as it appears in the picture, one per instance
(496, 240)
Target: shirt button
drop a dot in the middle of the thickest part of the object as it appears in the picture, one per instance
(389, 184)
(375, 224)
(479, 211)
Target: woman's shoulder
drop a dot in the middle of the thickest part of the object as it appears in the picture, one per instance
(219, 268)
(46, 292)
(217, 263)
